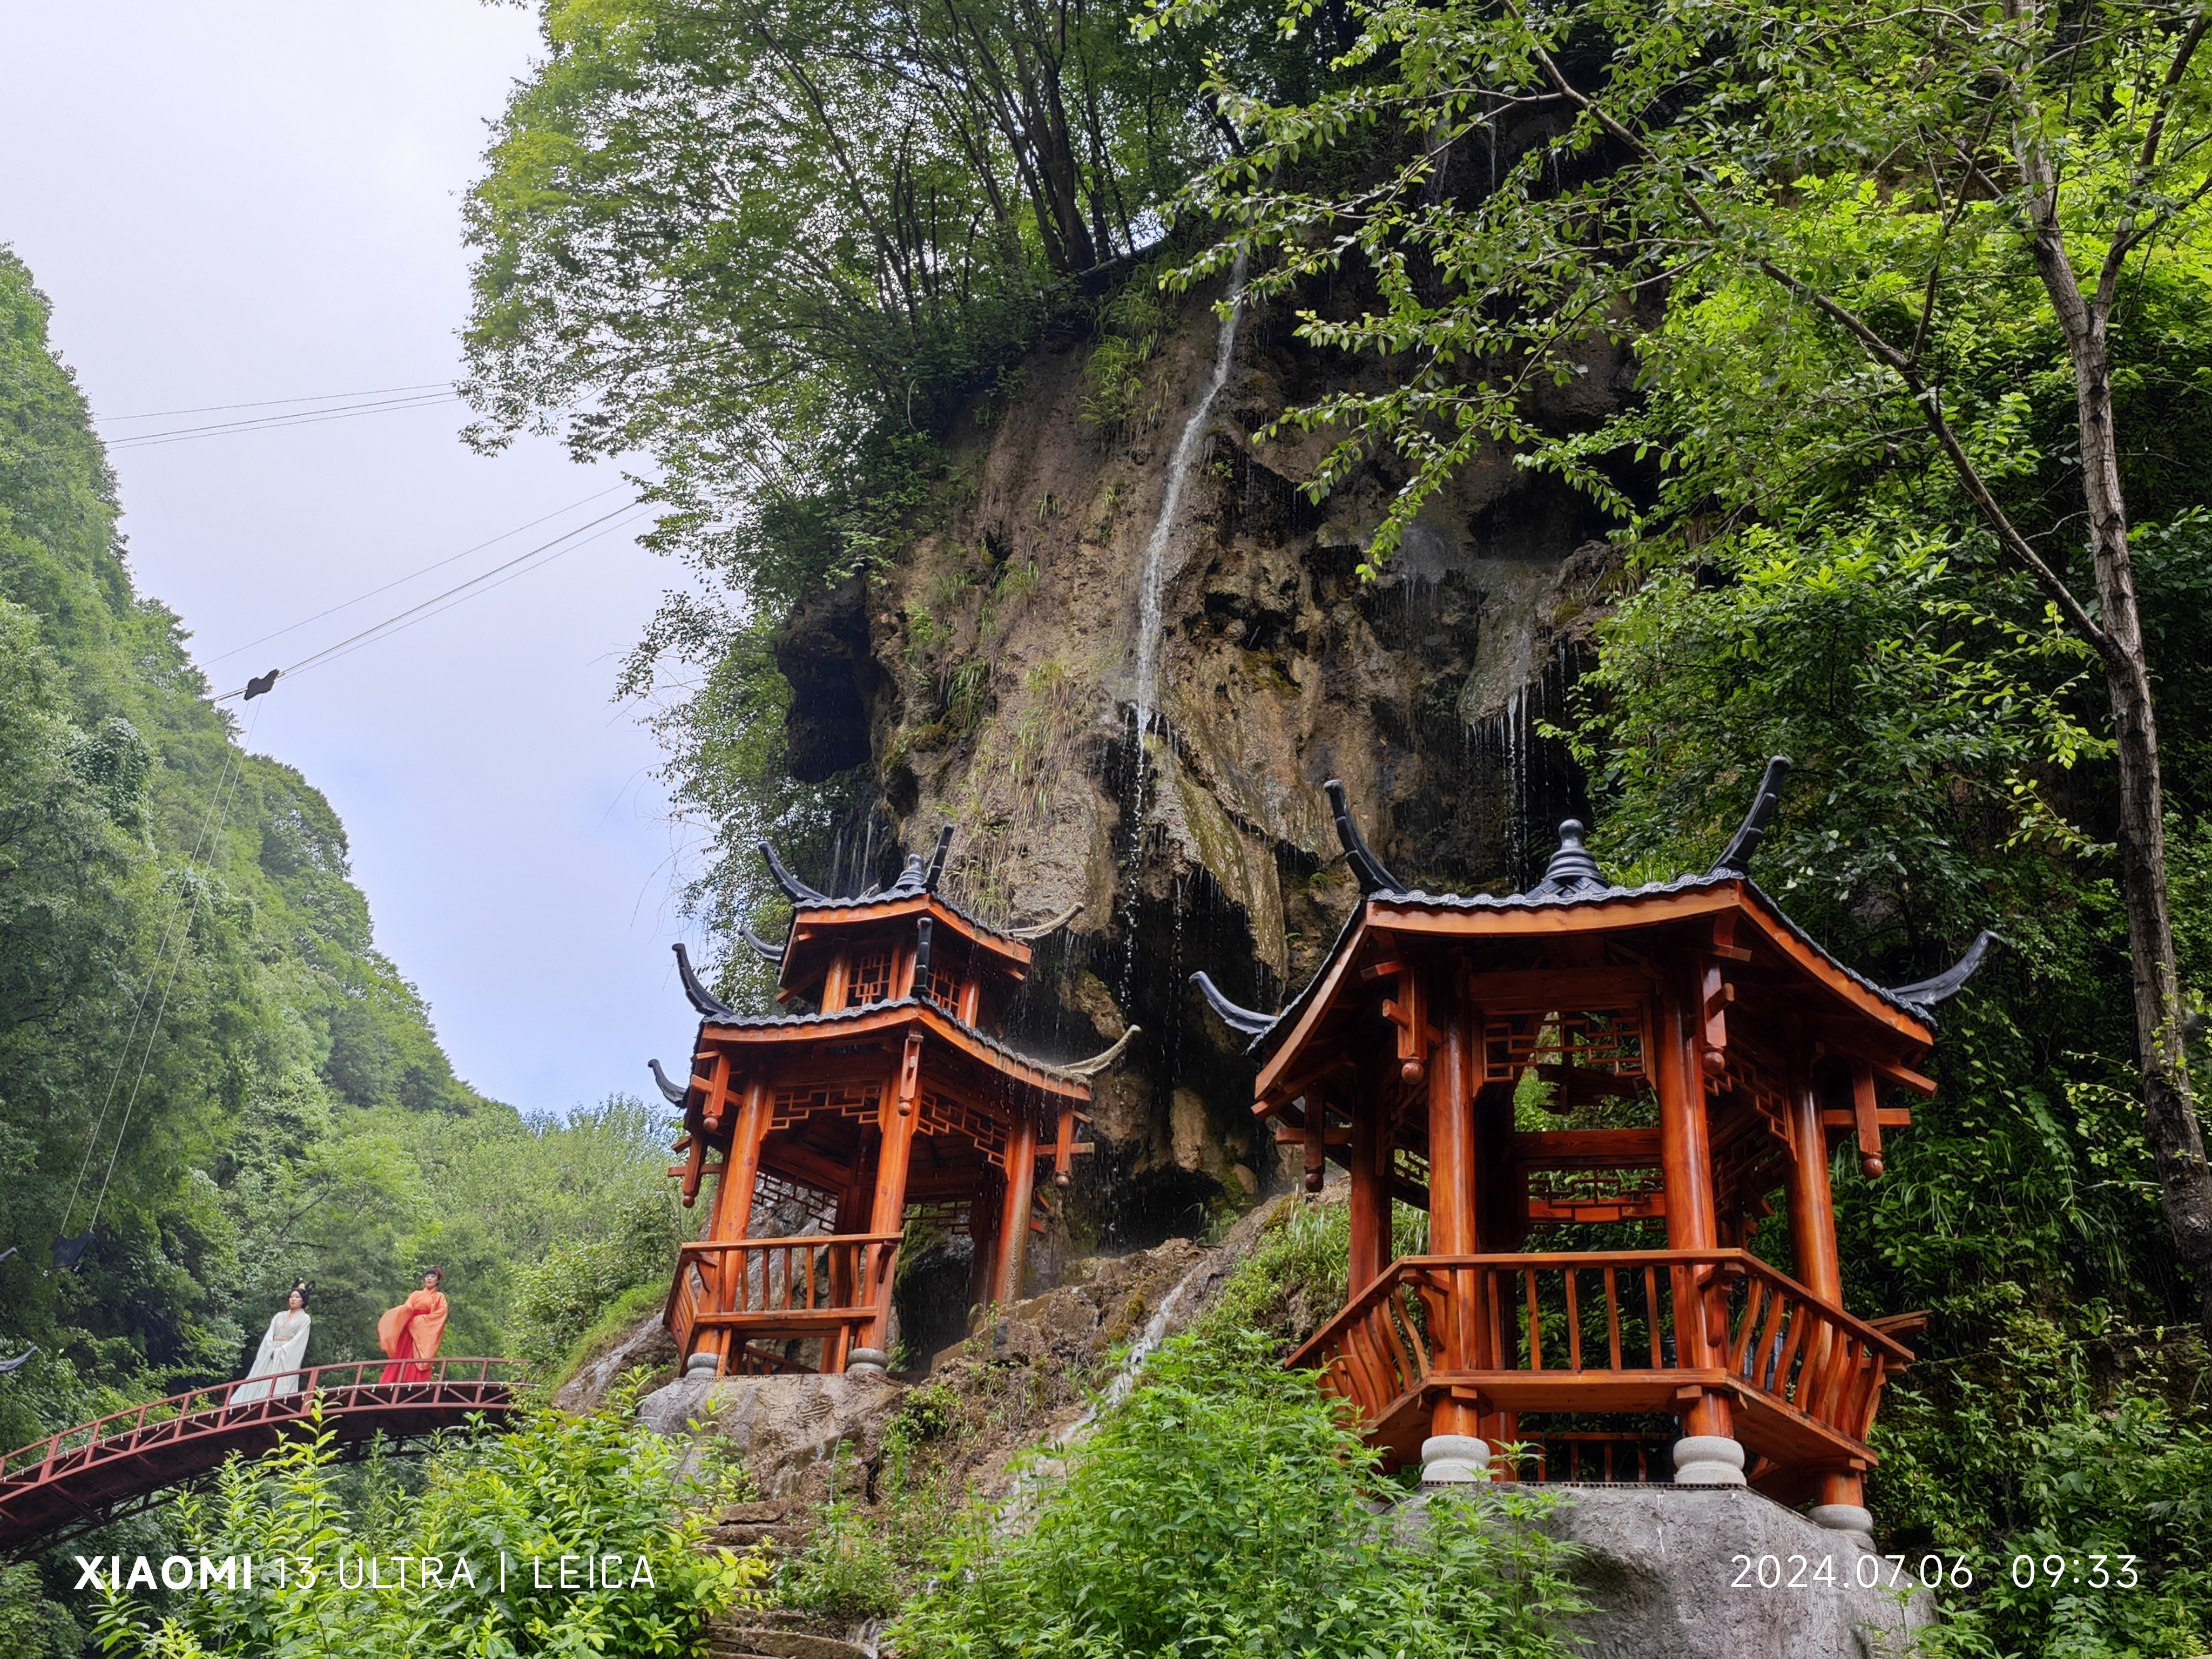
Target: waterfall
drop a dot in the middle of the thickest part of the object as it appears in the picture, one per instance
(1149, 583)
(1156, 548)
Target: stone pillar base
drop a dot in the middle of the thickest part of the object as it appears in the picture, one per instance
(867, 1362)
(1708, 1460)
(1454, 1459)
(1841, 1517)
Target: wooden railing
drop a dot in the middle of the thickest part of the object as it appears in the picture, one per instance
(1603, 1331)
(825, 1285)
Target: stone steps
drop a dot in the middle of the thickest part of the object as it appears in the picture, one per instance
(745, 1635)
(742, 1526)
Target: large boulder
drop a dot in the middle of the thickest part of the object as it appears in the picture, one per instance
(1723, 1572)
(786, 1429)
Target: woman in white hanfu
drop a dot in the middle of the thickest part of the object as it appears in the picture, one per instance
(283, 1345)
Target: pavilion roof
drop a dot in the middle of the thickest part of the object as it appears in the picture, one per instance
(1574, 882)
(913, 890)
(1068, 1077)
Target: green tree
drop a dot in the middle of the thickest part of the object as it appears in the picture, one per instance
(1876, 174)
(194, 1018)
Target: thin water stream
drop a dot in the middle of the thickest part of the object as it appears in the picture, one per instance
(1152, 580)
(1156, 546)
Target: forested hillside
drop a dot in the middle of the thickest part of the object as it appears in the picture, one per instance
(290, 1113)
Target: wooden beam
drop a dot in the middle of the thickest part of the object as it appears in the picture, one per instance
(1541, 990)
(1588, 1149)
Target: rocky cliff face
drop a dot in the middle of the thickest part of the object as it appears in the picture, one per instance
(990, 677)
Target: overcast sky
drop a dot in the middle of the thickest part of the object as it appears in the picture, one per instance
(233, 203)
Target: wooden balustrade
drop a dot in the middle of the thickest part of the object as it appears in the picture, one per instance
(1609, 1331)
(817, 1284)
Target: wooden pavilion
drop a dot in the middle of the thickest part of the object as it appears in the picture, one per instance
(1603, 1067)
(876, 1097)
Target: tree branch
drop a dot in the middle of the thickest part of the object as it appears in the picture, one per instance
(1882, 351)
(2127, 235)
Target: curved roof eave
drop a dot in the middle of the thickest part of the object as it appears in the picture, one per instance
(1886, 1005)
(871, 1016)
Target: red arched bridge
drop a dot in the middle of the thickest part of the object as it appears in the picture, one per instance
(85, 1477)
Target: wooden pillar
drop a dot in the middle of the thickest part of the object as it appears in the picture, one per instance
(733, 1206)
(888, 1214)
(983, 1212)
(1812, 1203)
(1014, 1214)
(1452, 1175)
(1370, 1195)
(1686, 1159)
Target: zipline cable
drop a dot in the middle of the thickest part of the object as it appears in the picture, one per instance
(400, 581)
(146, 1059)
(274, 422)
(632, 508)
(328, 657)
(271, 402)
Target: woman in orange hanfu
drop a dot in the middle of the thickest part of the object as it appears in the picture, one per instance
(409, 1334)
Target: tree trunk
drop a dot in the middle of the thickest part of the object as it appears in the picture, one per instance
(2169, 1111)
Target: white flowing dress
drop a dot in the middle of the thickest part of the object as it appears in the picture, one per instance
(277, 1367)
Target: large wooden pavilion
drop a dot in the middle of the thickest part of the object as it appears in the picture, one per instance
(1589, 1062)
(877, 1098)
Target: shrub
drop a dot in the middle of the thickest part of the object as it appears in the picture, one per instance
(563, 1295)
(846, 1569)
(554, 1485)
(1224, 1508)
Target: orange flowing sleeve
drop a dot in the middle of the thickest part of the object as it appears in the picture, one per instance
(429, 1325)
(389, 1327)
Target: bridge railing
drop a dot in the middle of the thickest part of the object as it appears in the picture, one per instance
(350, 1382)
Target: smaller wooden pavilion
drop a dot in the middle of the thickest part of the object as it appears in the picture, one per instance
(1642, 1067)
(877, 1098)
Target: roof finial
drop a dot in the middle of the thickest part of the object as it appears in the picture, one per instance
(936, 870)
(675, 1094)
(1366, 868)
(1927, 993)
(770, 954)
(794, 889)
(709, 1005)
(1570, 867)
(1736, 859)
